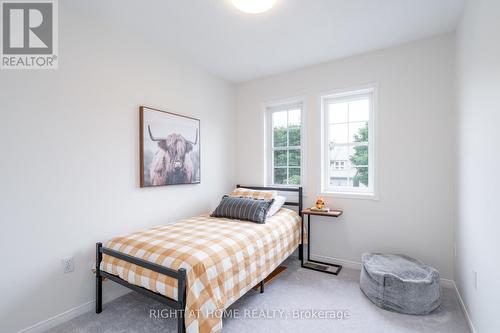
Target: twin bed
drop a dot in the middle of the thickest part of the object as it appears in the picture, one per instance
(201, 265)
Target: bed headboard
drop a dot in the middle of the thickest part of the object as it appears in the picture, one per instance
(298, 190)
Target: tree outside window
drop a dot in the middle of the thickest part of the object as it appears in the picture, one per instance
(286, 146)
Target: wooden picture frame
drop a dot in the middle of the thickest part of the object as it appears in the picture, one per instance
(170, 146)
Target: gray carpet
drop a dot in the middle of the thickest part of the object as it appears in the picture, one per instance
(296, 289)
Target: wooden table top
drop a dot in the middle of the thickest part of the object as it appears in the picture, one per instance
(332, 213)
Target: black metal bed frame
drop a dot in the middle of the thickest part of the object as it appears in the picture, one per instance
(180, 274)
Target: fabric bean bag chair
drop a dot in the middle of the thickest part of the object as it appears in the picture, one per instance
(400, 283)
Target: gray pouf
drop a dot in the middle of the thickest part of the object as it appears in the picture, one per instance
(400, 283)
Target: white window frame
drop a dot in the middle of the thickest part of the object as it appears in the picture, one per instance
(370, 192)
(269, 109)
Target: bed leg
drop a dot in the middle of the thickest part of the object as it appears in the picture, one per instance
(98, 295)
(181, 327)
(301, 252)
(181, 298)
(262, 286)
(98, 279)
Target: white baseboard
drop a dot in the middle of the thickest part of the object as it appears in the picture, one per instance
(52, 322)
(343, 262)
(450, 284)
(357, 265)
(464, 309)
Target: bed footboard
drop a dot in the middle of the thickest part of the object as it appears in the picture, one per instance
(180, 274)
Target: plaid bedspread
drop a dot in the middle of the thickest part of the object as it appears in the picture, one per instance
(223, 258)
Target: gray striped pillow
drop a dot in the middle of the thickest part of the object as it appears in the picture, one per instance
(243, 209)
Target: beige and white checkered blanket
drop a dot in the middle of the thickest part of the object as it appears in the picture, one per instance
(223, 258)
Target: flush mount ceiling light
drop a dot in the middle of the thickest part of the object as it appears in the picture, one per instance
(254, 6)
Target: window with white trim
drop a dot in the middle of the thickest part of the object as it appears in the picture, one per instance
(284, 128)
(348, 142)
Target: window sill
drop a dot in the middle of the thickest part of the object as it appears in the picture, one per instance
(350, 195)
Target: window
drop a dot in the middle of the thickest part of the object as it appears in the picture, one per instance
(284, 144)
(348, 154)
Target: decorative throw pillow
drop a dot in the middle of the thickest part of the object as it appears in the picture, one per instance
(253, 194)
(243, 209)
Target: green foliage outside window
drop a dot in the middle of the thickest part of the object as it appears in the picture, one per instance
(290, 156)
(360, 156)
(280, 158)
(279, 136)
(294, 176)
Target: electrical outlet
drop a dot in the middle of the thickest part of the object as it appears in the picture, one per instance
(474, 280)
(68, 265)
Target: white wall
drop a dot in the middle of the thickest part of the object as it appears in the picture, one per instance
(70, 157)
(477, 229)
(415, 137)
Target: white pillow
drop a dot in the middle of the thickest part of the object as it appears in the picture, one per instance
(279, 200)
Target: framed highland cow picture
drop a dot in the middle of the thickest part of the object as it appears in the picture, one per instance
(169, 148)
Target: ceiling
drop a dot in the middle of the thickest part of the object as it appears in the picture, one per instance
(294, 34)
